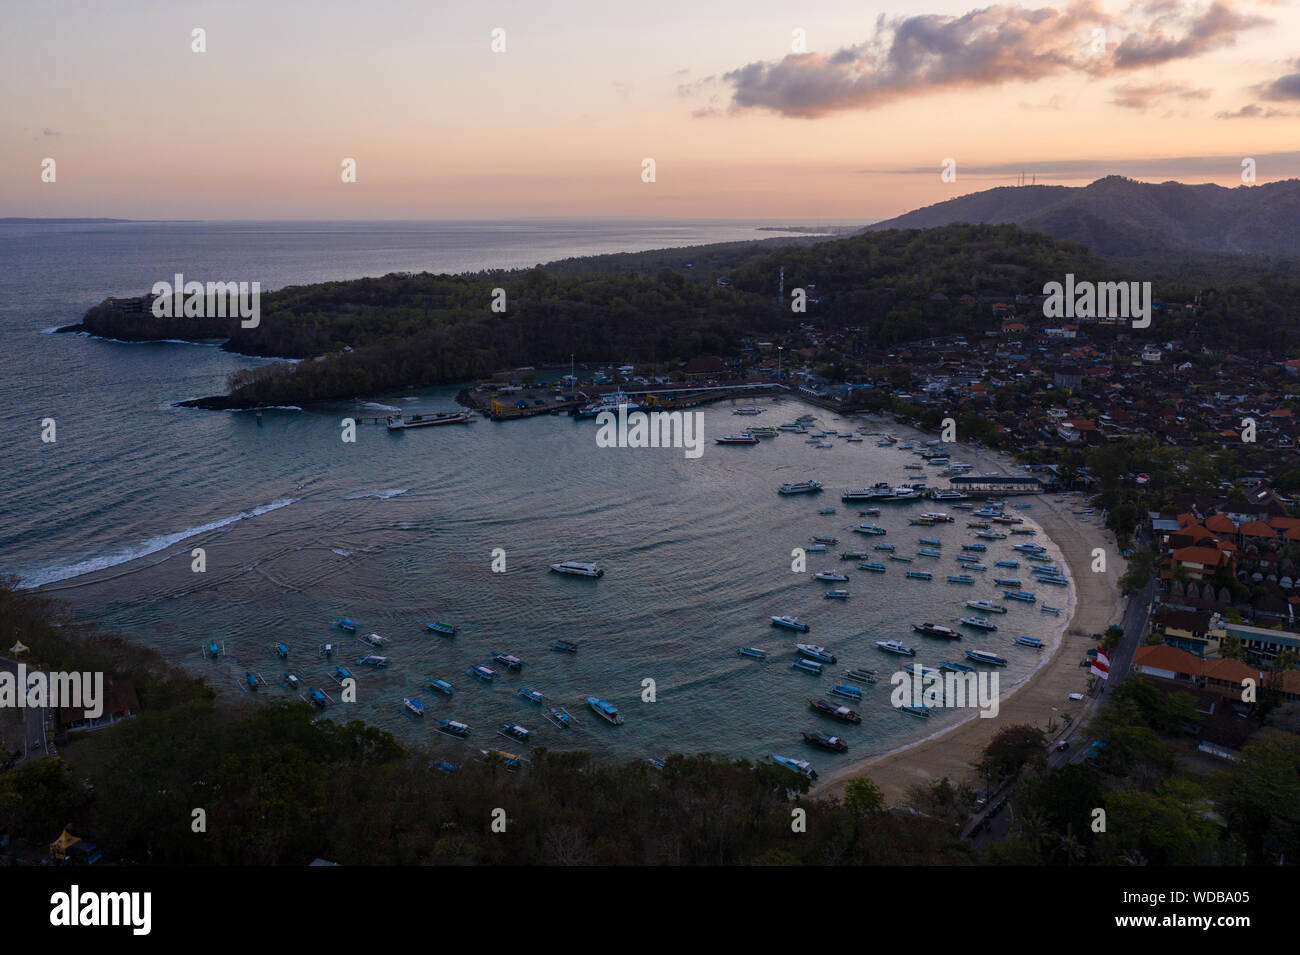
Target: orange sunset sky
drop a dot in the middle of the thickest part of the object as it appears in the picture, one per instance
(741, 120)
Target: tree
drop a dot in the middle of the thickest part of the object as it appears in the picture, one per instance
(1013, 748)
(862, 797)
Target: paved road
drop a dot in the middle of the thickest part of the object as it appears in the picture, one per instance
(34, 743)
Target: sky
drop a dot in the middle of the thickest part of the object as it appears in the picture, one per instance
(793, 112)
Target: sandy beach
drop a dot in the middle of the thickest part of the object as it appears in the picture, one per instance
(1042, 699)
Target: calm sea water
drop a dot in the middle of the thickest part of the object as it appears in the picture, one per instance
(396, 529)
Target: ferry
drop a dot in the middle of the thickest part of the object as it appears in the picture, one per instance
(345, 623)
(446, 629)
(508, 660)
(790, 623)
(413, 706)
(830, 575)
(874, 566)
(532, 696)
(919, 575)
(742, 438)
(441, 686)
(815, 652)
(873, 529)
(605, 710)
(942, 495)
(983, 656)
(825, 540)
(1054, 611)
(979, 623)
(564, 646)
(373, 660)
(836, 595)
(754, 652)
(835, 711)
(1032, 642)
(800, 766)
(847, 690)
(453, 728)
(577, 568)
(1007, 582)
(481, 673)
(863, 674)
(960, 579)
(824, 741)
(398, 422)
(955, 667)
(872, 493)
(801, 487)
(1020, 595)
(807, 666)
(611, 402)
(937, 630)
(893, 646)
(987, 606)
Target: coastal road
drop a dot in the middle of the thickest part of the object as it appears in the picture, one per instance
(34, 743)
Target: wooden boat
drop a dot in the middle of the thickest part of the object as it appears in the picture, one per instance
(834, 710)
(445, 629)
(564, 646)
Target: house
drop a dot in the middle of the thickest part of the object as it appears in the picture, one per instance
(704, 367)
(120, 701)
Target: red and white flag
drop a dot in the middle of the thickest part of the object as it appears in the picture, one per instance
(1101, 665)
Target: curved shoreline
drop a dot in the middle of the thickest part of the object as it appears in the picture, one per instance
(1043, 695)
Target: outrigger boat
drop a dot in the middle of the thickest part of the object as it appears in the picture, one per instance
(870, 529)
(605, 710)
(834, 711)
(955, 667)
(1032, 642)
(513, 731)
(1020, 595)
(979, 623)
(826, 510)
(825, 741)
(847, 690)
(960, 579)
(884, 548)
(1014, 564)
(790, 623)
(983, 656)
(977, 548)
(341, 674)
(327, 650)
(346, 624)
(854, 555)
(893, 646)
(1007, 581)
(815, 549)
(292, 681)
(902, 558)
(800, 766)
(1054, 611)
(453, 728)
(930, 541)
(936, 630)
(564, 646)
(373, 660)
(446, 629)
(560, 717)
(413, 706)
(873, 566)
(281, 651)
(481, 673)
(754, 652)
(214, 648)
(916, 710)
(807, 666)
(862, 673)
(509, 661)
(532, 696)
(440, 686)
(254, 680)
(319, 699)
(825, 540)
(374, 639)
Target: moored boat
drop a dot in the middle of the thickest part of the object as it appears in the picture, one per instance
(834, 710)
(1020, 595)
(564, 646)
(790, 623)
(919, 575)
(445, 629)
(413, 706)
(807, 666)
(606, 710)
(1032, 642)
(836, 595)
(800, 487)
(847, 690)
(954, 667)
(979, 623)
(983, 656)
(508, 660)
(453, 728)
(988, 606)
(744, 437)
(481, 673)
(577, 568)
(825, 741)
(815, 652)
(440, 686)
(830, 575)
(893, 646)
(936, 630)
(346, 624)
(754, 652)
(874, 566)
(800, 766)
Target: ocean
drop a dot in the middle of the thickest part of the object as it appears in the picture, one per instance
(299, 527)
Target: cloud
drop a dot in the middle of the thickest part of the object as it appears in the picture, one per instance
(1139, 96)
(916, 55)
(1283, 88)
(1251, 111)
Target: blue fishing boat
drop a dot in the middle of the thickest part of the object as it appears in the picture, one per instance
(453, 728)
(919, 575)
(441, 686)
(560, 717)
(281, 651)
(373, 660)
(1006, 563)
(1007, 581)
(847, 690)
(606, 710)
(884, 548)
(513, 731)
(807, 666)
(955, 667)
(346, 624)
(445, 629)
(1054, 581)
(928, 552)
(214, 648)
(1037, 558)
(341, 674)
(874, 566)
(564, 646)
(836, 594)
(509, 661)
(977, 548)
(532, 696)
(960, 579)
(901, 557)
(1020, 595)
(800, 766)
(1054, 611)
(481, 673)
(1032, 642)
(931, 541)
(327, 650)
(253, 680)
(754, 652)
(917, 710)
(445, 766)
(292, 681)
(983, 656)
(318, 699)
